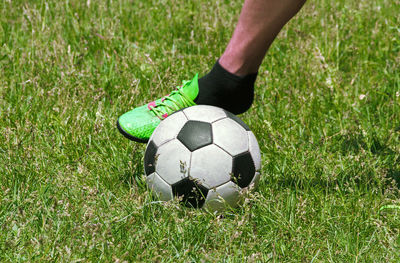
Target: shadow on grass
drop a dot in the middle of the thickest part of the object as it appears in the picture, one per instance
(380, 148)
(345, 182)
(356, 176)
(354, 143)
(394, 174)
(135, 174)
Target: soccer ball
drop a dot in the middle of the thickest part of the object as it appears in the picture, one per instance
(203, 154)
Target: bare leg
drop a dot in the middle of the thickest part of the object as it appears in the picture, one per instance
(259, 23)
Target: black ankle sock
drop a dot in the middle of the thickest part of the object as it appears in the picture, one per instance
(223, 89)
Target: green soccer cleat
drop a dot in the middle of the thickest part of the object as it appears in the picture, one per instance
(139, 123)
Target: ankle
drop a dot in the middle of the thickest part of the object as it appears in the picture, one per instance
(237, 65)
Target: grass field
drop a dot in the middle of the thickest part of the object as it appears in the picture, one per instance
(326, 114)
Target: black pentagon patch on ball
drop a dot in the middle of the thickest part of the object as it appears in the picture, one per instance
(195, 134)
(192, 193)
(243, 169)
(237, 119)
(150, 158)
